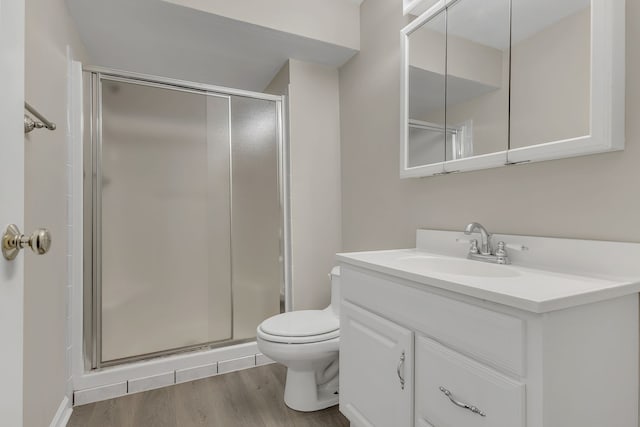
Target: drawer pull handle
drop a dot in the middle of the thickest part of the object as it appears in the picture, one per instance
(401, 368)
(472, 408)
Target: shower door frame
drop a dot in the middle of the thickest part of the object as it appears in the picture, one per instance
(92, 337)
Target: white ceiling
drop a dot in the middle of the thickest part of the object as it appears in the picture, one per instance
(487, 21)
(159, 38)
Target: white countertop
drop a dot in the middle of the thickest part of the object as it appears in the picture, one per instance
(531, 289)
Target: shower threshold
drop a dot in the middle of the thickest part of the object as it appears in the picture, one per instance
(171, 352)
(142, 375)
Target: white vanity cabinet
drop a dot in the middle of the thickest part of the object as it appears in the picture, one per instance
(364, 381)
(511, 367)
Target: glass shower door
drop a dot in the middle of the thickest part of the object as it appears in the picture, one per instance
(256, 261)
(164, 218)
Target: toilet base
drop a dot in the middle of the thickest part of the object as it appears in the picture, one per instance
(301, 392)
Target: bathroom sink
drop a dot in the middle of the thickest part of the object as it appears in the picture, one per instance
(457, 267)
(546, 274)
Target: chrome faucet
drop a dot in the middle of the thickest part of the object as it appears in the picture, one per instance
(485, 252)
(485, 237)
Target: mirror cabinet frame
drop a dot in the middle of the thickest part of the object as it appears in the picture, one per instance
(607, 99)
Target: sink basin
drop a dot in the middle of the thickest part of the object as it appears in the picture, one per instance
(457, 267)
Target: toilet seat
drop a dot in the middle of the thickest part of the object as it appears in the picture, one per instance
(311, 339)
(300, 327)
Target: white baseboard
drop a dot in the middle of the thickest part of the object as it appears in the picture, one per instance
(61, 418)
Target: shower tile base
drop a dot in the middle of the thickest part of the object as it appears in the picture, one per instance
(236, 364)
(150, 383)
(199, 372)
(82, 397)
(144, 379)
(261, 359)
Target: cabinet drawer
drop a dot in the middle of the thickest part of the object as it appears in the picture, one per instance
(491, 337)
(437, 368)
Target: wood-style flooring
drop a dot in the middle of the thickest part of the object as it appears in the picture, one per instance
(248, 398)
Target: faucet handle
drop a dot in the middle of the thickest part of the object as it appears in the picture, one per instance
(473, 248)
(501, 254)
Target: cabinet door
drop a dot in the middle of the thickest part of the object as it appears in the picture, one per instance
(455, 391)
(376, 370)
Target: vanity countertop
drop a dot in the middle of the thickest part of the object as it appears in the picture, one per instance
(526, 288)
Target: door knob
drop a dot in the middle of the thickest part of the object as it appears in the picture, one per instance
(13, 240)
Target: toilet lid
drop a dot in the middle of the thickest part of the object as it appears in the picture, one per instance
(301, 323)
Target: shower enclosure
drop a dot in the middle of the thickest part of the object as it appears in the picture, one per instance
(185, 224)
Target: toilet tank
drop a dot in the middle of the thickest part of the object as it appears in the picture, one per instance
(335, 290)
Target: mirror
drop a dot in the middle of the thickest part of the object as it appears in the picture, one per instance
(551, 64)
(427, 140)
(489, 83)
(478, 77)
(458, 86)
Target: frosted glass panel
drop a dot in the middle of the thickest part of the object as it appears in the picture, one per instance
(166, 279)
(257, 268)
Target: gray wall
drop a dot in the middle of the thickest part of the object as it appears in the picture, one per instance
(593, 197)
(314, 141)
(49, 30)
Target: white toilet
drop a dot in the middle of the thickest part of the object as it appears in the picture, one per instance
(306, 342)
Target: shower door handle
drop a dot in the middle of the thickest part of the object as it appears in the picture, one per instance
(13, 240)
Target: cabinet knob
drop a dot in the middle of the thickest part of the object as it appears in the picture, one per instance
(13, 240)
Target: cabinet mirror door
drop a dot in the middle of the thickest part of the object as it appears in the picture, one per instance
(500, 82)
(567, 78)
(425, 138)
(477, 84)
(551, 71)
(456, 88)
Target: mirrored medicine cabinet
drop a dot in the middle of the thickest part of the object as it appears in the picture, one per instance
(489, 83)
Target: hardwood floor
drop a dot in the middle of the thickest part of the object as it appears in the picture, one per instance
(249, 398)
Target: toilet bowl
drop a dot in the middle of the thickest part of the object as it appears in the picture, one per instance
(307, 343)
